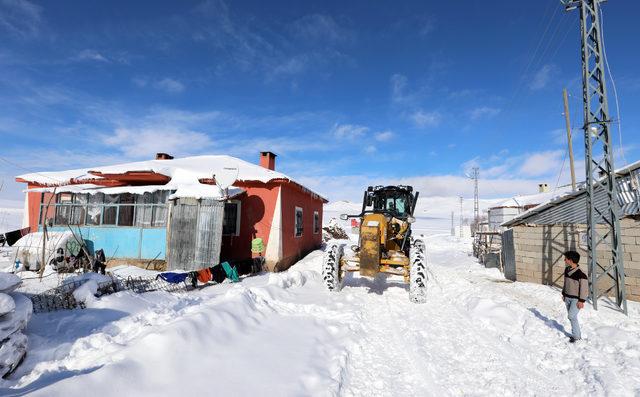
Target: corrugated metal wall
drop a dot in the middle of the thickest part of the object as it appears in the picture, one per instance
(508, 255)
(195, 233)
(574, 210)
(209, 234)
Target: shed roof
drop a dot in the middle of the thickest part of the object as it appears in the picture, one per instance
(572, 207)
(528, 200)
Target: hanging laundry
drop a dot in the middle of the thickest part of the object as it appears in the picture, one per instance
(204, 275)
(217, 273)
(173, 278)
(257, 246)
(230, 272)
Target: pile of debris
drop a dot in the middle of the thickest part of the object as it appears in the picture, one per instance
(334, 231)
(15, 312)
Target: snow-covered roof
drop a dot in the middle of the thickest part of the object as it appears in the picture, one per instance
(531, 199)
(197, 191)
(185, 174)
(570, 207)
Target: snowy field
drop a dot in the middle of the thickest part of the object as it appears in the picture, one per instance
(10, 219)
(284, 335)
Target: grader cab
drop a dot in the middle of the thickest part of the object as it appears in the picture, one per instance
(385, 242)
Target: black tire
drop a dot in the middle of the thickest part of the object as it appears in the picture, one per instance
(331, 272)
(418, 272)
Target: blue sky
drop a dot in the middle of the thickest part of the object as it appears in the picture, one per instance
(347, 93)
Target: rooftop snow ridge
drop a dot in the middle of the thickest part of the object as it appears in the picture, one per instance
(184, 172)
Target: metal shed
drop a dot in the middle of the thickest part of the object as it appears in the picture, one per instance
(194, 233)
(572, 207)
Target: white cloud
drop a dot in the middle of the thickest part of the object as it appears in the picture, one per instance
(348, 131)
(427, 25)
(320, 27)
(426, 119)
(140, 81)
(542, 163)
(146, 141)
(384, 136)
(483, 112)
(90, 55)
(398, 87)
(543, 77)
(350, 187)
(370, 149)
(292, 66)
(278, 145)
(20, 18)
(169, 85)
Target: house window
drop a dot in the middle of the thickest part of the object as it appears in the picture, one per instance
(110, 211)
(159, 217)
(79, 209)
(126, 209)
(94, 209)
(298, 224)
(144, 211)
(316, 222)
(125, 217)
(231, 220)
(63, 212)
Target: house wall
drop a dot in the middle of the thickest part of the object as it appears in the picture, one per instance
(538, 252)
(497, 216)
(123, 242)
(296, 247)
(256, 214)
(33, 203)
(194, 233)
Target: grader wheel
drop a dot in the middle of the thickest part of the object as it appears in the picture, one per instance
(331, 272)
(417, 272)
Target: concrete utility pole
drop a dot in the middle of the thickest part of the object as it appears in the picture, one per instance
(569, 139)
(453, 227)
(461, 201)
(606, 275)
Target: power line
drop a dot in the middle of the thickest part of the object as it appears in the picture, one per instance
(532, 59)
(613, 85)
(30, 171)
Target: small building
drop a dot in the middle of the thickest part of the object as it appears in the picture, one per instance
(173, 211)
(533, 246)
(511, 208)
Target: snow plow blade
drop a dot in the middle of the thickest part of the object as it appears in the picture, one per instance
(369, 251)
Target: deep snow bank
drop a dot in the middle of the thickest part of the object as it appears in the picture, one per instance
(284, 335)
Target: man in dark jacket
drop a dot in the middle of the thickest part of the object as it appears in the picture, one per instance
(574, 292)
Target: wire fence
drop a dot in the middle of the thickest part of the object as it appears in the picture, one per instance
(61, 298)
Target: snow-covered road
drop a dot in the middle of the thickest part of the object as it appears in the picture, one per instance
(284, 335)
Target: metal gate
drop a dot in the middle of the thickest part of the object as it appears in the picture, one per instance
(508, 255)
(195, 233)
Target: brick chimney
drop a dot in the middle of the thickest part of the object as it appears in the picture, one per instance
(268, 160)
(164, 156)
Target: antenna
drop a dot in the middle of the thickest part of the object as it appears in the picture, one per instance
(225, 178)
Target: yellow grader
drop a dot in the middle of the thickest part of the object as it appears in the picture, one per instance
(385, 242)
